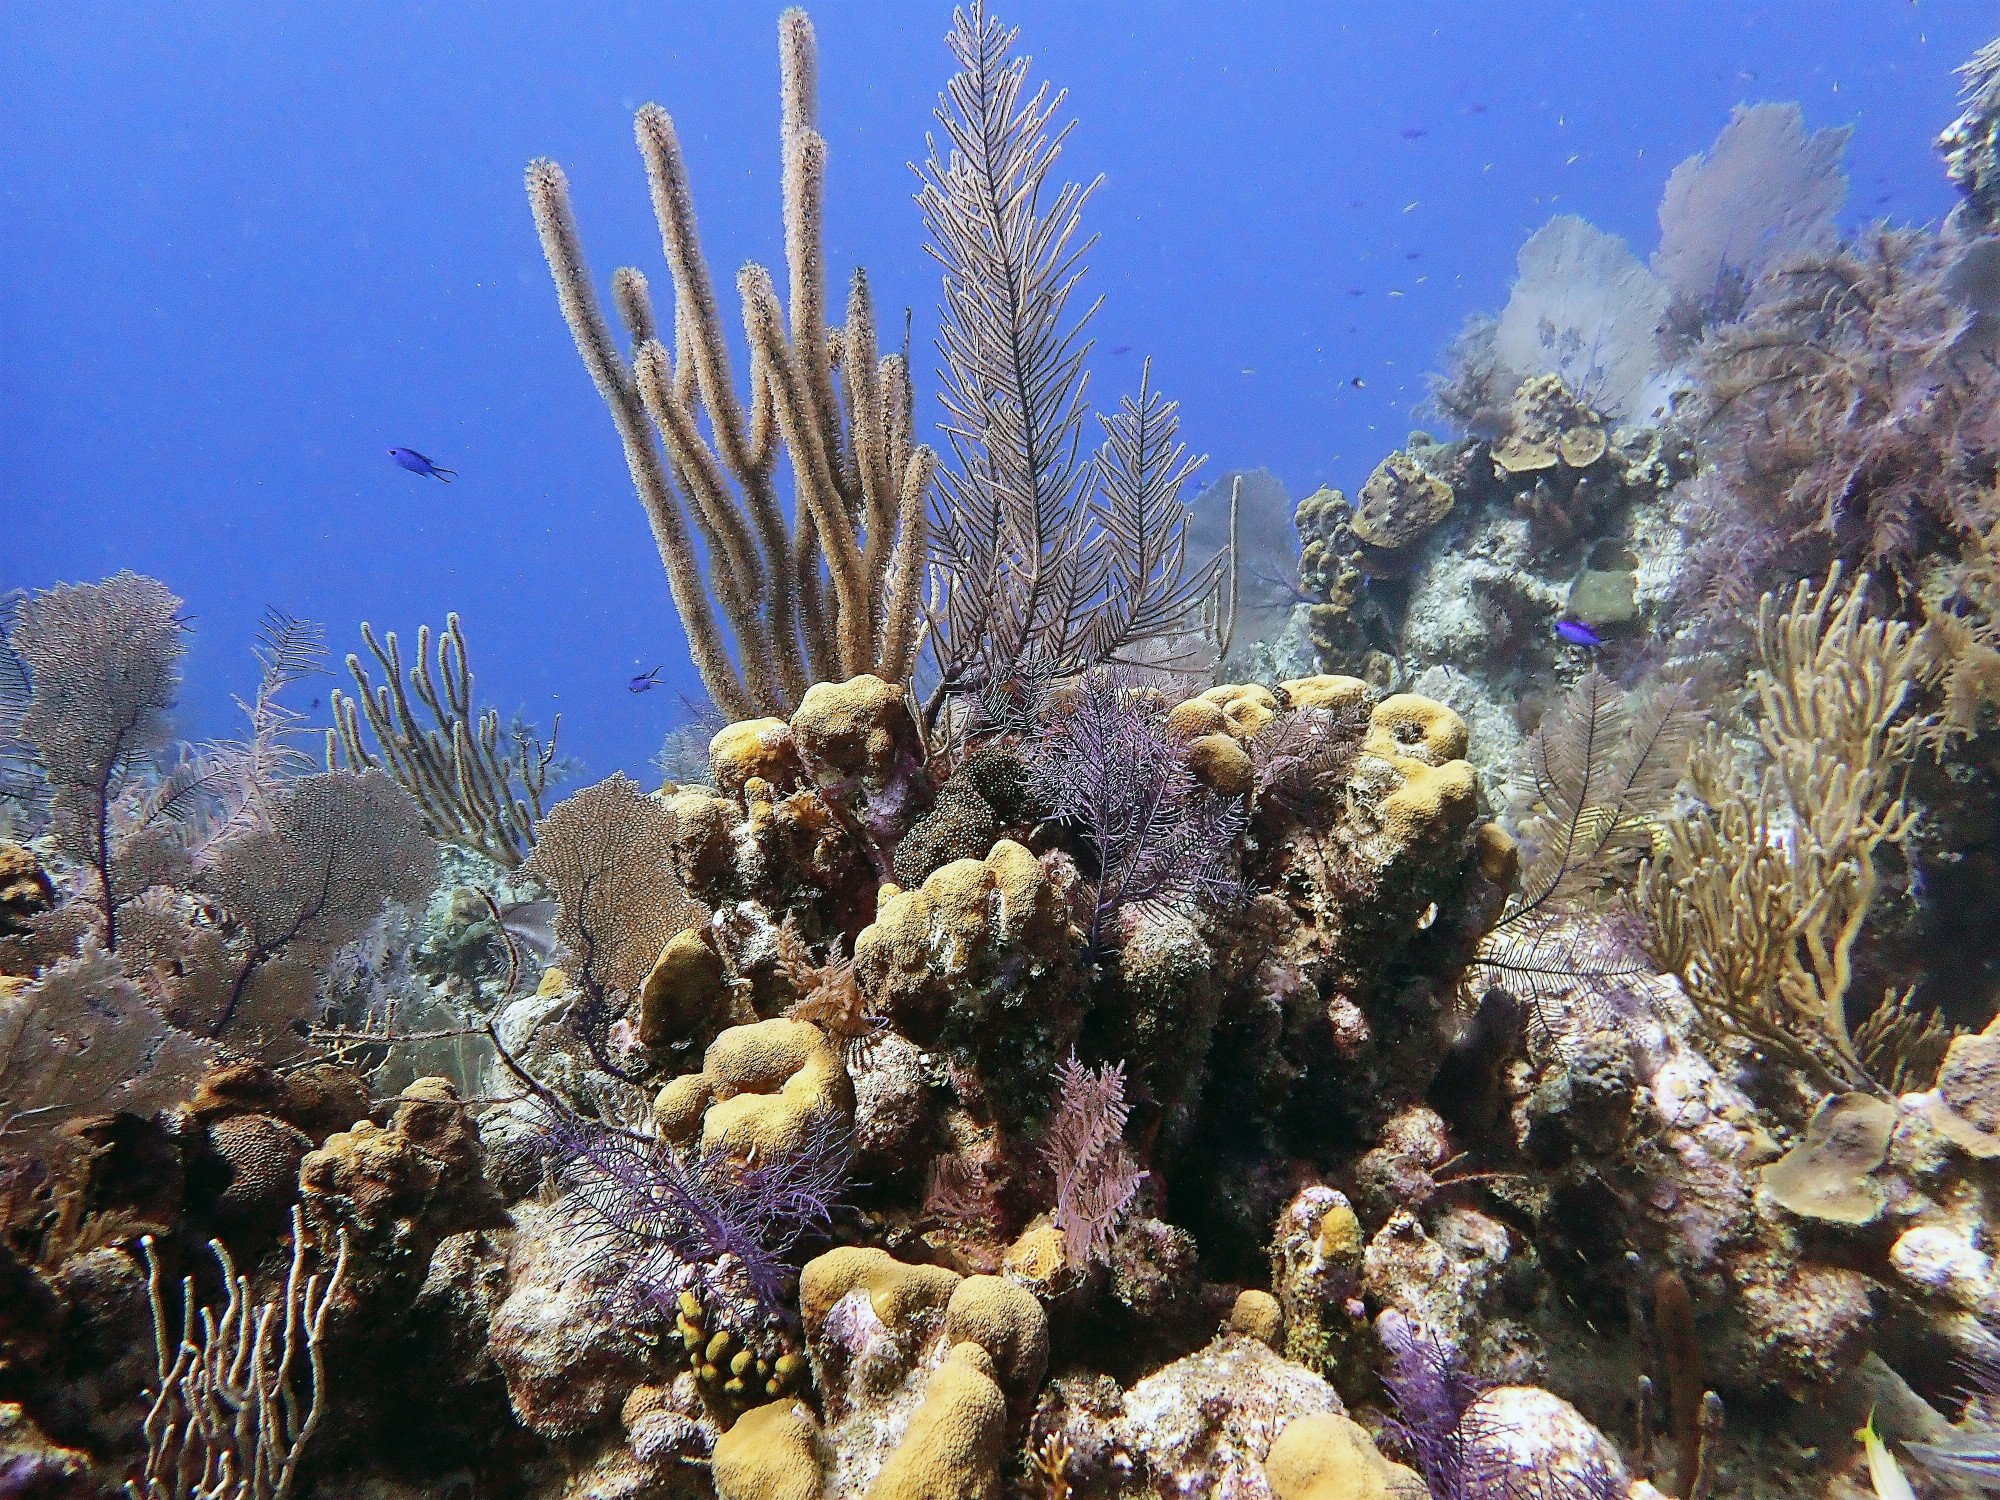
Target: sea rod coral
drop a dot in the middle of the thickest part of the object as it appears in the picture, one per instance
(821, 397)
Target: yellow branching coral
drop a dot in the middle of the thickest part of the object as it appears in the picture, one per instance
(860, 483)
(1756, 900)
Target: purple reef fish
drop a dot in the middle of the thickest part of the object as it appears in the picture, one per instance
(645, 681)
(416, 463)
(1578, 634)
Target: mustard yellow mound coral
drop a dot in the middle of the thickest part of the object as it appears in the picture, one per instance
(771, 1453)
(1007, 1323)
(1257, 1315)
(1222, 765)
(1433, 802)
(686, 998)
(705, 829)
(1035, 1260)
(899, 1294)
(916, 1367)
(1499, 856)
(1328, 690)
(957, 927)
(756, 747)
(1330, 1457)
(765, 1087)
(1195, 718)
(1246, 706)
(951, 1449)
(1413, 727)
(1436, 793)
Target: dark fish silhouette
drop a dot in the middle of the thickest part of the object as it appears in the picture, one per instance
(1358, 383)
(416, 463)
(1578, 634)
(1415, 132)
(645, 681)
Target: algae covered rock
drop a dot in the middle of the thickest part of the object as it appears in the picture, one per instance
(34, 1468)
(1316, 1274)
(1965, 1105)
(396, 1192)
(25, 888)
(862, 750)
(570, 1355)
(1548, 427)
(980, 961)
(1205, 1424)
(1401, 501)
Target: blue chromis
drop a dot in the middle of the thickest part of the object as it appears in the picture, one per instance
(1578, 634)
(645, 681)
(416, 463)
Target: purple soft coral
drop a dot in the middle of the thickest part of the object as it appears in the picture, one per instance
(1431, 1395)
(658, 1219)
(1104, 762)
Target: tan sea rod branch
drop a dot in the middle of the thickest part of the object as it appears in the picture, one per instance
(842, 412)
(548, 193)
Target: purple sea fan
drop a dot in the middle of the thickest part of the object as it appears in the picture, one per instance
(1474, 1443)
(657, 1220)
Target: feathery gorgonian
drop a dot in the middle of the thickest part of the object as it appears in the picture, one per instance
(1103, 761)
(1096, 1178)
(1431, 1395)
(657, 1220)
(1046, 559)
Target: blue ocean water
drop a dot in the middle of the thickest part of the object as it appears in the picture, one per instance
(249, 248)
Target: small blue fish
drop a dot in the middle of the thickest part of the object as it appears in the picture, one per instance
(416, 463)
(645, 681)
(1578, 634)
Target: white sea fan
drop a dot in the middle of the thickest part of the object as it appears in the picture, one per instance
(1584, 308)
(1765, 190)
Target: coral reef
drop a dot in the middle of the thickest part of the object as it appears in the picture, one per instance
(1515, 1058)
